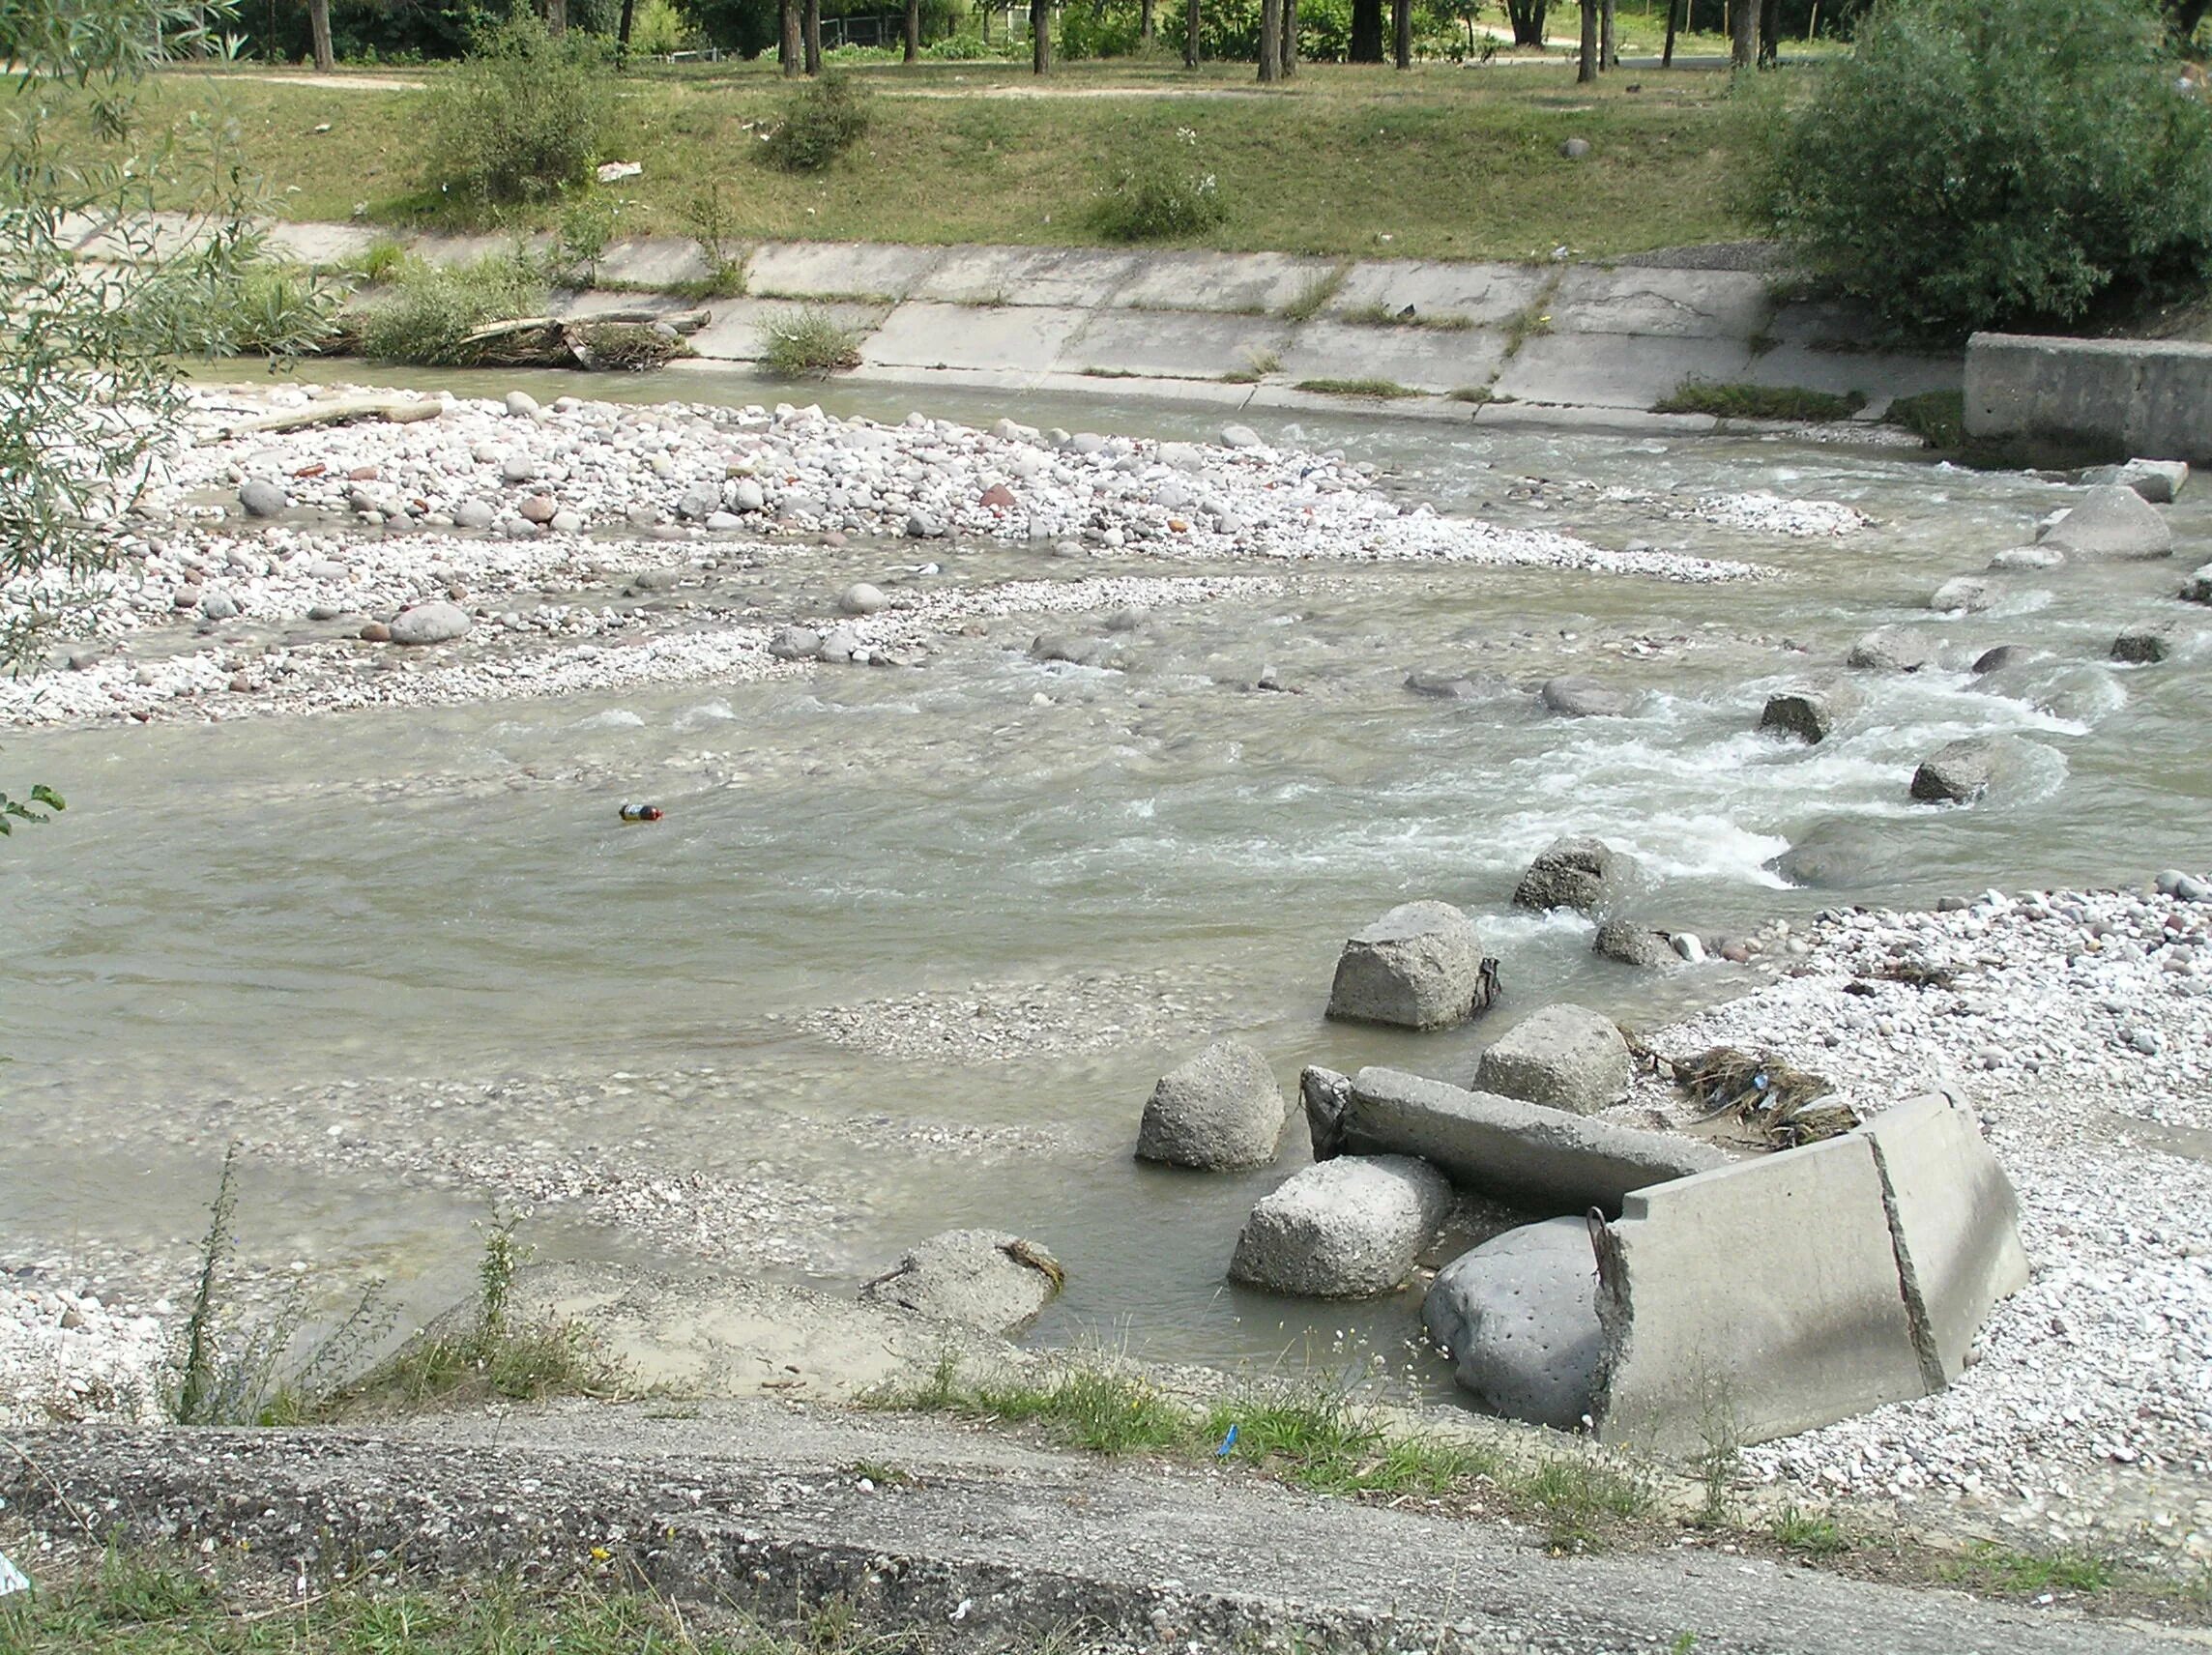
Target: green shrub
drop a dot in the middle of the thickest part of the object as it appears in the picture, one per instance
(1989, 161)
(1167, 192)
(808, 344)
(432, 308)
(242, 299)
(580, 238)
(521, 121)
(1938, 418)
(1759, 402)
(820, 121)
(658, 28)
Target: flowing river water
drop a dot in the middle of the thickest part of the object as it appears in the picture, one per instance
(411, 960)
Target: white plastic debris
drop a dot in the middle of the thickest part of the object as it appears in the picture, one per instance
(11, 1579)
(615, 172)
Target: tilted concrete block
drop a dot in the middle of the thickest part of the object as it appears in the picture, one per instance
(1540, 1159)
(1954, 1222)
(1749, 1303)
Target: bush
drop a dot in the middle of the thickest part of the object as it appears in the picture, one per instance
(433, 307)
(820, 121)
(520, 122)
(1993, 161)
(240, 300)
(1167, 192)
(808, 344)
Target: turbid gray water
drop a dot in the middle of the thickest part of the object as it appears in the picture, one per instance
(911, 947)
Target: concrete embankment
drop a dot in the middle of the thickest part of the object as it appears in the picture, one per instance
(2066, 401)
(920, 1522)
(1503, 344)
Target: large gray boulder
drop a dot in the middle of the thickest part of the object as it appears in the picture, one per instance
(2112, 522)
(1961, 594)
(1634, 945)
(2155, 481)
(1836, 854)
(1418, 966)
(1349, 1228)
(1808, 712)
(439, 622)
(1585, 874)
(1891, 648)
(981, 1278)
(1541, 1160)
(1219, 1111)
(1562, 1056)
(2138, 646)
(1961, 771)
(2198, 588)
(1518, 1318)
(1577, 697)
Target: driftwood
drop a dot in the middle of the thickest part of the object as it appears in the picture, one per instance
(606, 340)
(1781, 1105)
(392, 410)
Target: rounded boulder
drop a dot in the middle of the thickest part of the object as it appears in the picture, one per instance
(1518, 1318)
(1349, 1228)
(1218, 1111)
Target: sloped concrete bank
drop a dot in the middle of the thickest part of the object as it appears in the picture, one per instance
(976, 1541)
(2039, 400)
(1498, 343)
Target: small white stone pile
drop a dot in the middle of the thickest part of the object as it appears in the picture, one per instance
(66, 1357)
(2079, 1025)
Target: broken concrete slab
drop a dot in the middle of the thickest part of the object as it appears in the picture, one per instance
(1617, 371)
(1244, 283)
(1172, 344)
(1019, 338)
(1426, 359)
(1488, 295)
(1562, 1056)
(988, 276)
(1662, 304)
(839, 270)
(653, 261)
(1751, 1303)
(1544, 1160)
(1954, 1222)
(1883, 373)
(983, 1278)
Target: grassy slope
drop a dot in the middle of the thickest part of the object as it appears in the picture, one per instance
(1443, 162)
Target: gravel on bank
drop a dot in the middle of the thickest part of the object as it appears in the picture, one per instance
(2080, 1025)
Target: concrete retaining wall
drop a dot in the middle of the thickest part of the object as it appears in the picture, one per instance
(2072, 401)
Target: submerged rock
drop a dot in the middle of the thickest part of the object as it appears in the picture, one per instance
(1634, 945)
(1576, 697)
(1963, 771)
(1807, 714)
(1217, 1111)
(982, 1278)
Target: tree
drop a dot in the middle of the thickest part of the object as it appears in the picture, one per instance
(1148, 24)
(1667, 55)
(1743, 32)
(319, 25)
(813, 35)
(1040, 36)
(1402, 32)
(557, 17)
(788, 54)
(1608, 39)
(1528, 19)
(1190, 26)
(1270, 38)
(1587, 69)
(1290, 66)
(1366, 32)
(913, 31)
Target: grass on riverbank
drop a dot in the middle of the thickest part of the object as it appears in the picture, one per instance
(1439, 163)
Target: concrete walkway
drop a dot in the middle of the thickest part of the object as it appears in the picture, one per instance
(1553, 344)
(921, 1521)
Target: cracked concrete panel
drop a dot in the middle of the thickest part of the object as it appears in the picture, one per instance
(1610, 371)
(1019, 338)
(1427, 358)
(735, 332)
(1662, 304)
(840, 270)
(1172, 344)
(1880, 375)
(597, 301)
(1029, 276)
(1751, 1303)
(325, 244)
(655, 261)
(1220, 281)
(1487, 293)
(1846, 322)
(1956, 1224)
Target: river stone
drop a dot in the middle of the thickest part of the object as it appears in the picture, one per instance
(1518, 1318)
(222, 606)
(1634, 945)
(795, 644)
(1574, 149)
(981, 1278)
(1578, 697)
(698, 502)
(1349, 1228)
(2158, 482)
(839, 646)
(746, 495)
(1961, 594)
(862, 598)
(1836, 854)
(1563, 1057)
(1963, 770)
(1240, 437)
(2005, 655)
(2198, 590)
(2112, 522)
(438, 623)
(1441, 683)
(1417, 967)
(567, 522)
(538, 508)
(1075, 651)
(1217, 1112)
(474, 515)
(1807, 714)
(2137, 645)
(1890, 649)
(2017, 558)
(522, 405)
(1585, 874)
(2080, 692)
(258, 496)
(518, 468)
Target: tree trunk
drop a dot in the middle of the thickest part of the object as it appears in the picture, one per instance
(1366, 31)
(1290, 37)
(1148, 23)
(1769, 32)
(1674, 10)
(1402, 32)
(1190, 27)
(1528, 19)
(1608, 38)
(1040, 35)
(2182, 17)
(1270, 38)
(622, 31)
(787, 53)
(1743, 34)
(914, 31)
(1586, 70)
(813, 28)
(557, 17)
(319, 24)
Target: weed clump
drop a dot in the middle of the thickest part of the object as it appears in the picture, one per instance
(520, 122)
(822, 120)
(433, 308)
(808, 344)
(1167, 192)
